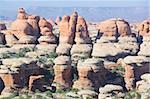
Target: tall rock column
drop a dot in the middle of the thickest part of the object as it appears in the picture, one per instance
(83, 47)
(63, 72)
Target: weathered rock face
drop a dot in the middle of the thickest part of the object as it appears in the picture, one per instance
(114, 27)
(91, 72)
(72, 24)
(107, 90)
(15, 72)
(63, 73)
(2, 26)
(2, 39)
(144, 28)
(33, 21)
(74, 27)
(46, 31)
(134, 67)
(82, 35)
(64, 31)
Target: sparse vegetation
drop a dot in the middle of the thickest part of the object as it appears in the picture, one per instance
(20, 53)
(119, 70)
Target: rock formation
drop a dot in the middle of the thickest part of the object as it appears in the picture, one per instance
(115, 27)
(110, 91)
(33, 21)
(58, 19)
(63, 72)
(144, 28)
(91, 72)
(2, 39)
(22, 29)
(82, 35)
(47, 37)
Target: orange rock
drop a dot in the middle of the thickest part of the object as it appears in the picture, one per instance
(144, 28)
(82, 35)
(115, 27)
(32, 20)
(10, 80)
(64, 31)
(47, 35)
(63, 75)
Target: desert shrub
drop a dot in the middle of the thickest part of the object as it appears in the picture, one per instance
(119, 70)
(20, 53)
(132, 95)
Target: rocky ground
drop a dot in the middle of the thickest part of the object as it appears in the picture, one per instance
(72, 59)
